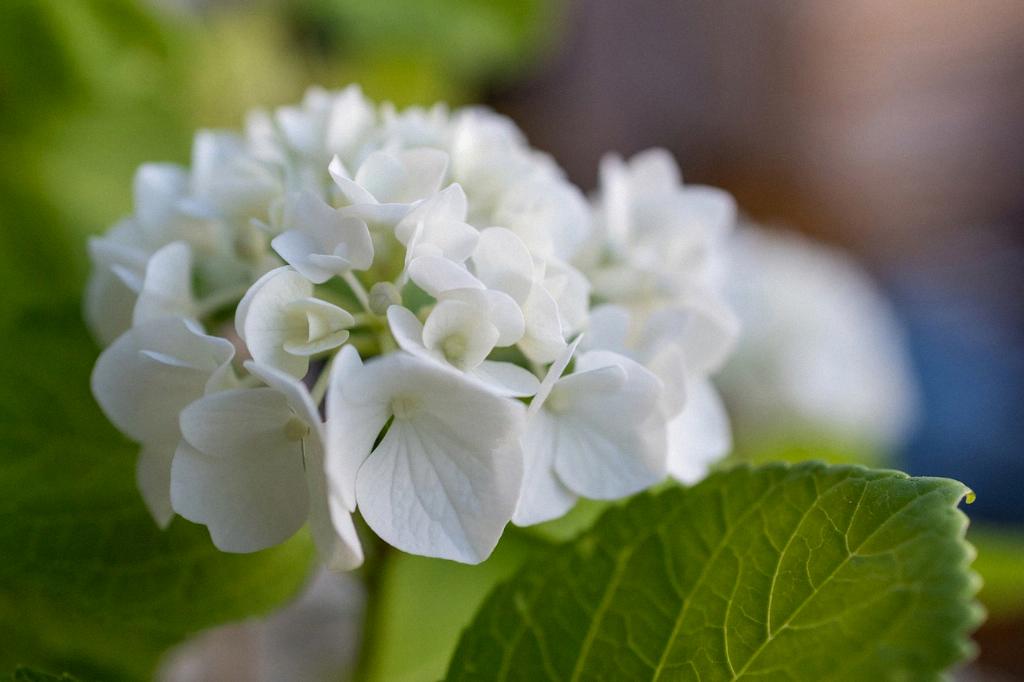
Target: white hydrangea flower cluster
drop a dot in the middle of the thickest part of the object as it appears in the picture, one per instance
(410, 313)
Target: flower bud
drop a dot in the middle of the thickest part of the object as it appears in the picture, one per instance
(383, 295)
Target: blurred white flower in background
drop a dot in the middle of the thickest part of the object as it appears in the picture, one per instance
(822, 351)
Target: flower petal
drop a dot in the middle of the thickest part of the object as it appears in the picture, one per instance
(445, 478)
(506, 378)
(153, 476)
(248, 503)
(151, 372)
(700, 435)
(240, 422)
(436, 275)
(354, 420)
(166, 286)
(613, 442)
(543, 497)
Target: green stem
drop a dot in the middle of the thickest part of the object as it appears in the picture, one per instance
(377, 554)
(357, 290)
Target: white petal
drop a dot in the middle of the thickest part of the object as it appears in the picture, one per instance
(506, 378)
(436, 275)
(354, 420)
(167, 285)
(320, 241)
(700, 435)
(501, 311)
(242, 422)
(613, 442)
(543, 496)
(425, 169)
(406, 328)
(151, 372)
(607, 329)
(153, 476)
(248, 503)
(156, 188)
(242, 311)
(712, 208)
(460, 332)
(543, 340)
(655, 170)
(330, 523)
(354, 193)
(107, 305)
(445, 479)
(554, 373)
(299, 400)
(326, 326)
(669, 365)
(447, 206)
(269, 325)
(571, 291)
(383, 176)
(703, 326)
(502, 261)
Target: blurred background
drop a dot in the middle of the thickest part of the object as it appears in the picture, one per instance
(889, 133)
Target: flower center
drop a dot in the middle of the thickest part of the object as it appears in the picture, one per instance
(404, 406)
(454, 347)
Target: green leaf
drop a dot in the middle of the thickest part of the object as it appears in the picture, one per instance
(88, 583)
(807, 572)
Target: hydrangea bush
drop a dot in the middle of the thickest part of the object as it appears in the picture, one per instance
(410, 313)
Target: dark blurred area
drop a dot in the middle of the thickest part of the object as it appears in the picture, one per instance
(891, 129)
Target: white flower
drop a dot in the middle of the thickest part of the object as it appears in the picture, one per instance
(320, 241)
(165, 212)
(550, 215)
(144, 379)
(660, 234)
(226, 177)
(459, 332)
(700, 434)
(503, 262)
(444, 479)
(822, 349)
(438, 227)
(489, 155)
(416, 126)
(389, 183)
(595, 433)
(325, 124)
(504, 266)
(682, 347)
(467, 249)
(282, 324)
(446, 280)
(250, 466)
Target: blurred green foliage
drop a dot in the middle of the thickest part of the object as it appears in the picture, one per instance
(23, 674)
(1000, 563)
(88, 582)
